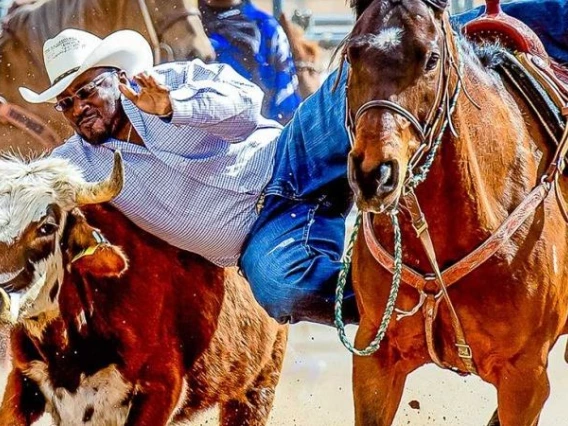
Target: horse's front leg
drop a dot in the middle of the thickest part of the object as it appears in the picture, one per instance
(378, 382)
(23, 402)
(522, 390)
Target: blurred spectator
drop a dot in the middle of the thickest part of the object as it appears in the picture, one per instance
(254, 44)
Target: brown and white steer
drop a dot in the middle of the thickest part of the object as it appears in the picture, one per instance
(145, 334)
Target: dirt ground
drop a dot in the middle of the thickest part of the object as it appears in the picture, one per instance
(315, 389)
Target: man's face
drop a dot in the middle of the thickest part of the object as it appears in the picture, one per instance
(96, 111)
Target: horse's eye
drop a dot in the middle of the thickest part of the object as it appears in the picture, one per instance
(432, 61)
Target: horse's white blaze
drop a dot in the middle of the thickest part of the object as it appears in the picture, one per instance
(387, 38)
(100, 399)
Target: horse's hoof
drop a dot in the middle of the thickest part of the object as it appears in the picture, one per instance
(494, 420)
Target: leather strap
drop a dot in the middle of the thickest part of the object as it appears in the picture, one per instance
(28, 122)
(560, 198)
(430, 311)
(421, 227)
(473, 260)
(455, 272)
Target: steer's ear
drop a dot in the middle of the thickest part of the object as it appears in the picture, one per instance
(88, 251)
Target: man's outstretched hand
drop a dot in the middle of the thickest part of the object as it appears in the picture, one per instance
(153, 98)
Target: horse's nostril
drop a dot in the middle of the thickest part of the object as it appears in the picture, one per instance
(386, 176)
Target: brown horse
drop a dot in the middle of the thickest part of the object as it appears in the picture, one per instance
(173, 27)
(307, 57)
(424, 107)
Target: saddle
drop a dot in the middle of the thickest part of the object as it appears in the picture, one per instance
(542, 82)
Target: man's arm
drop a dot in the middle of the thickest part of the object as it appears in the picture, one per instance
(213, 98)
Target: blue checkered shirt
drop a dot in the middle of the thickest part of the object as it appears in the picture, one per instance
(196, 182)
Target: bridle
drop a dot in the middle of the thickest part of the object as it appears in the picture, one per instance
(435, 122)
(157, 31)
(430, 134)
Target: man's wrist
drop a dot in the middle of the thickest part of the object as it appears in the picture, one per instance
(168, 115)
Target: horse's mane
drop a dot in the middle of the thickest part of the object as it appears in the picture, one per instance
(34, 22)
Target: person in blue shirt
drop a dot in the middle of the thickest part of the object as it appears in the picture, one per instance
(255, 45)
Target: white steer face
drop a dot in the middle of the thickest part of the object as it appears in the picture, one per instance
(35, 200)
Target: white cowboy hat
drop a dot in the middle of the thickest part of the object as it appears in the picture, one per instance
(72, 52)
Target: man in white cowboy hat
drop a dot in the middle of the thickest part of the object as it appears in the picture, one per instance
(199, 158)
(191, 136)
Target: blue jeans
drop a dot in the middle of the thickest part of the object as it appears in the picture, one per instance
(293, 254)
(291, 258)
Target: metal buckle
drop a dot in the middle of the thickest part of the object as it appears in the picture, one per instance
(420, 225)
(464, 351)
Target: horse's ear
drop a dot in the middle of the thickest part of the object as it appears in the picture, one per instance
(88, 250)
(439, 6)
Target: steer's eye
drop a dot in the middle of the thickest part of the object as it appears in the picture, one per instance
(47, 228)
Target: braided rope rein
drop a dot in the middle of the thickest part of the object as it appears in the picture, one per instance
(346, 264)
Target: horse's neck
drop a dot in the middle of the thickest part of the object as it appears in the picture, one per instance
(484, 173)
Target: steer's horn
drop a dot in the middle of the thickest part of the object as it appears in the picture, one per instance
(106, 190)
(5, 304)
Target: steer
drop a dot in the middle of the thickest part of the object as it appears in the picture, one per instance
(133, 332)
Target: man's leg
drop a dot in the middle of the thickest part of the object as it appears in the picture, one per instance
(293, 257)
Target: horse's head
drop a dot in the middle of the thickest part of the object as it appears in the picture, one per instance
(399, 62)
(307, 56)
(180, 31)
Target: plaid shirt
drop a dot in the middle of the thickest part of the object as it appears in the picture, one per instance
(196, 182)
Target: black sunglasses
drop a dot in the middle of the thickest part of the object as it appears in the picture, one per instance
(83, 93)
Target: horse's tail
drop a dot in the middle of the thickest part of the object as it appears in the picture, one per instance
(566, 352)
